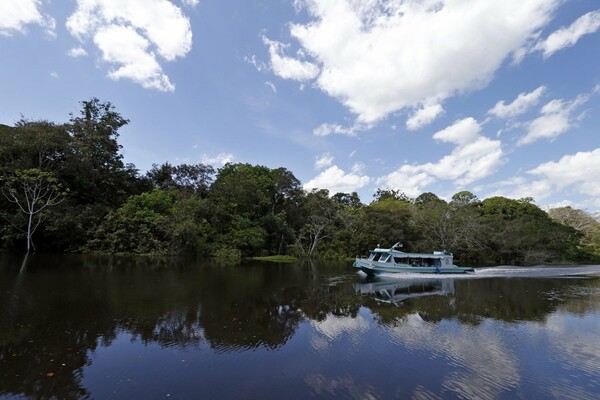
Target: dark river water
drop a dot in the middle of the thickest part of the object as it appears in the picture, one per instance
(146, 328)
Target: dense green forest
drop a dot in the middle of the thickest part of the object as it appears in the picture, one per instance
(66, 188)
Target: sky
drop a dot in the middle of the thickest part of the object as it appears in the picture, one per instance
(498, 97)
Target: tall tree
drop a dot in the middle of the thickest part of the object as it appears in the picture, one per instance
(33, 191)
(99, 169)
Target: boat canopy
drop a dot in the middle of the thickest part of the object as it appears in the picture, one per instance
(397, 253)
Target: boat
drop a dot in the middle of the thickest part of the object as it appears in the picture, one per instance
(391, 260)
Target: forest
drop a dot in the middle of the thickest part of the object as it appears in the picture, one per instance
(66, 188)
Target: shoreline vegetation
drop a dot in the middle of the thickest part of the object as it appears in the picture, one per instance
(65, 188)
(276, 259)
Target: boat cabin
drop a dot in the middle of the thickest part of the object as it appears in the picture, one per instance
(436, 259)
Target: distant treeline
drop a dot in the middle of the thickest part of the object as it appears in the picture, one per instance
(66, 188)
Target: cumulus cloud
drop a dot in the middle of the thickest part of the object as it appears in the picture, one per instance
(16, 15)
(336, 180)
(556, 117)
(76, 52)
(219, 159)
(424, 116)
(473, 158)
(379, 57)
(580, 170)
(324, 160)
(133, 35)
(577, 174)
(519, 106)
(288, 67)
(568, 36)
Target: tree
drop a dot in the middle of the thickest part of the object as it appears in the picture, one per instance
(383, 194)
(582, 222)
(98, 167)
(285, 188)
(348, 199)
(520, 232)
(572, 217)
(33, 191)
(464, 198)
(388, 220)
(186, 178)
(321, 213)
(427, 198)
(34, 144)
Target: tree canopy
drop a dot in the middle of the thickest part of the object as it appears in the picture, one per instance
(96, 202)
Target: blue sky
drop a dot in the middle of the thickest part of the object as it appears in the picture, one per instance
(499, 97)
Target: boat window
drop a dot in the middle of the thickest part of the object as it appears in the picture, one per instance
(401, 260)
(371, 256)
(384, 258)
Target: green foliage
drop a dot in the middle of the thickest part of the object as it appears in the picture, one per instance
(186, 178)
(248, 210)
(586, 225)
(140, 226)
(276, 259)
(33, 191)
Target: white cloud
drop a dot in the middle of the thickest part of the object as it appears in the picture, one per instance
(219, 159)
(271, 86)
(567, 37)
(191, 3)
(15, 15)
(379, 57)
(337, 129)
(580, 170)
(54, 75)
(288, 67)
(260, 66)
(358, 168)
(424, 116)
(336, 180)
(410, 179)
(123, 46)
(577, 174)
(150, 29)
(76, 52)
(556, 117)
(325, 160)
(474, 157)
(520, 105)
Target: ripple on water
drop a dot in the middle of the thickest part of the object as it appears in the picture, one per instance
(480, 362)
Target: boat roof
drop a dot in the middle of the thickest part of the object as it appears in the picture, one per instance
(437, 254)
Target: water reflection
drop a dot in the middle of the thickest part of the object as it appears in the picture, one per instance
(396, 291)
(59, 315)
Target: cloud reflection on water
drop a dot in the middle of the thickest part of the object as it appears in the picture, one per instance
(487, 365)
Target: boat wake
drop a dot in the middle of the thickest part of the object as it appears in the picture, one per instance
(509, 271)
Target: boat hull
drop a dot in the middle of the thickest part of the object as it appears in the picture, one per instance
(374, 268)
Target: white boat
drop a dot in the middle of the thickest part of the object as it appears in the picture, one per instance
(395, 261)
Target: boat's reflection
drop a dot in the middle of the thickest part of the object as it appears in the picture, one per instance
(396, 291)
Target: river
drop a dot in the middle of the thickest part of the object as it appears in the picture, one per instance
(105, 327)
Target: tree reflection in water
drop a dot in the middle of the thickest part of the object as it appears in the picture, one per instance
(60, 310)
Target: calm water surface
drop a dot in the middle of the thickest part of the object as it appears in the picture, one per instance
(142, 328)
